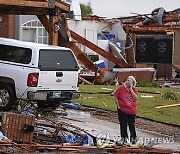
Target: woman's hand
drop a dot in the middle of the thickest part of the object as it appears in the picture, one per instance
(133, 93)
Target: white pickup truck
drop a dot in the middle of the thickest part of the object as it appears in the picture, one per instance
(31, 71)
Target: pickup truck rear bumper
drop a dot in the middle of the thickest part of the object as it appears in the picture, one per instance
(53, 95)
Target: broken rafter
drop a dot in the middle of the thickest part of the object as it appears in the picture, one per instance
(98, 50)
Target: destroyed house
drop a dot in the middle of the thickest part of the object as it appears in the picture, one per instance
(142, 41)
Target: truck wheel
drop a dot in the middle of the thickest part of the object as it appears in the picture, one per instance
(7, 97)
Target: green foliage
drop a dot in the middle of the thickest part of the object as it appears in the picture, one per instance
(169, 96)
(147, 84)
(86, 9)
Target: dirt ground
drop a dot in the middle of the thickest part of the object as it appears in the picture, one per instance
(141, 123)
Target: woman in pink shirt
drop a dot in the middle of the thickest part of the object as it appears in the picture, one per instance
(126, 100)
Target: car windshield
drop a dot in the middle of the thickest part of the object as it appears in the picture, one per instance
(57, 60)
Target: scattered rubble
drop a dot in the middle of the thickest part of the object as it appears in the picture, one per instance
(27, 133)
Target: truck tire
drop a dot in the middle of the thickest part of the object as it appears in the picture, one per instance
(7, 97)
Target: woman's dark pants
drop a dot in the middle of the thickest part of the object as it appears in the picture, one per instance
(127, 120)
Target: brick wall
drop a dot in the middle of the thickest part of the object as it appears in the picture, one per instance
(7, 26)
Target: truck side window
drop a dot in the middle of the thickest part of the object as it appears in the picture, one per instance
(15, 54)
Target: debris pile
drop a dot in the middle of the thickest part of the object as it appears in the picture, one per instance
(30, 133)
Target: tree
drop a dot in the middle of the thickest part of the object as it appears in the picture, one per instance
(86, 9)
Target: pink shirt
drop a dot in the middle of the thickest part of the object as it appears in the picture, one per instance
(126, 102)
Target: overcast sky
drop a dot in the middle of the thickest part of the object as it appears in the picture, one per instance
(117, 8)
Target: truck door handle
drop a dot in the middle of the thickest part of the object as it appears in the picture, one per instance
(59, 74)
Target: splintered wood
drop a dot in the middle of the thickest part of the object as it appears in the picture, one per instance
(13, 126)
(166, 106)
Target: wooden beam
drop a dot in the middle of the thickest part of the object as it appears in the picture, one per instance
(82, 57)
(15, 10)
(44, 20)
(53, 35)
(24, 3)
(98, 50)
(63, 6)
(49, 26)
(32, 4)
(166, 106)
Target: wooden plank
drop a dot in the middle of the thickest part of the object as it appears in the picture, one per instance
(84, 80)
(26, 122)
(166, 106)
(4, 126)
(15, 10)
(13, 130)
(98, 50)
(17, 127)
(22, 125)
(24, 3)
(31, 122)
(9, 127)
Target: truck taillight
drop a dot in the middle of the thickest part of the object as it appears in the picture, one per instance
(33, 79)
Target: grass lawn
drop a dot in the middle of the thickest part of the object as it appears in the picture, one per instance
(146, 106)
